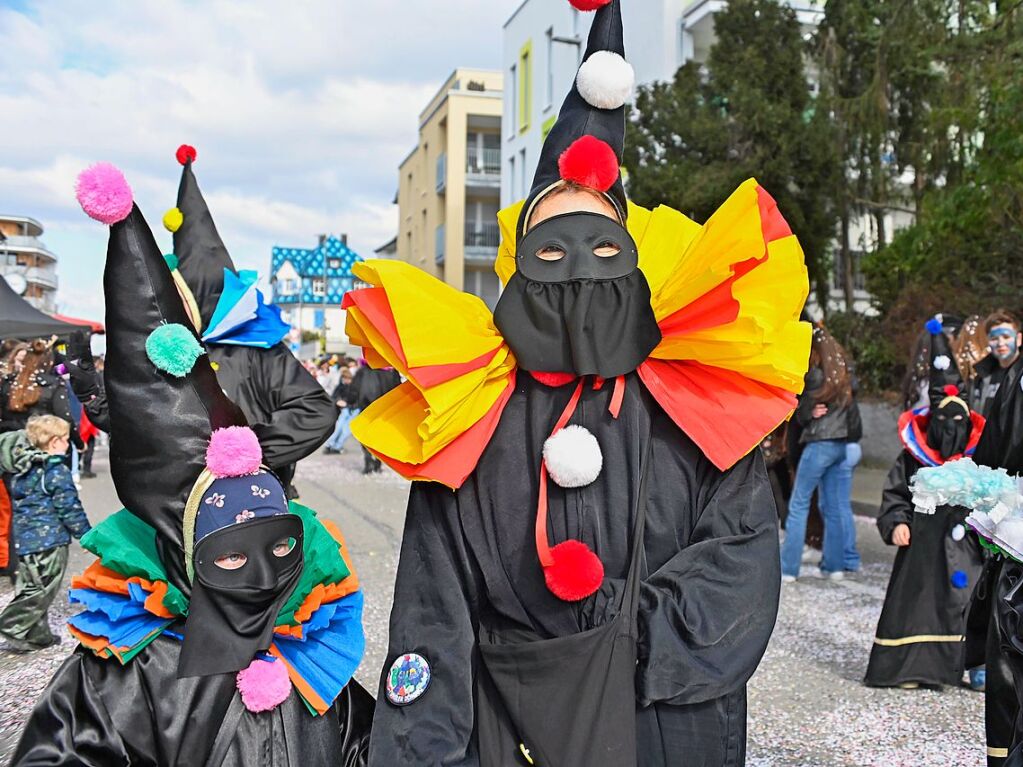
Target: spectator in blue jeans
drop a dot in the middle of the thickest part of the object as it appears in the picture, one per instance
(344, 397)
(824, 414)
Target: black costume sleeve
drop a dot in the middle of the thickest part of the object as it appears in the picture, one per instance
(896, 498)
(1001, 443)
(70, 725)
(436, 604)
(302, 415)
(706, 615)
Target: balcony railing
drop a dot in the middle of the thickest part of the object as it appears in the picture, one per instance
(439, 235)
(33, 244)
(485, 236)
(45, 277)
(485, 161)
(442, 172)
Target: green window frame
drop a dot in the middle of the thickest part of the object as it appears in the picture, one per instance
(525, 86)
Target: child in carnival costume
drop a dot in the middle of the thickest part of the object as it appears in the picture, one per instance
(221, 623)
(589, 572)
(920, 634)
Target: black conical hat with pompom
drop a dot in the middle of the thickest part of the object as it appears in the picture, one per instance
(161, 418)
(586, 144)
(202, 255)
(945, 379)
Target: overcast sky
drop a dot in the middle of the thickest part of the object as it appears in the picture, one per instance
(300, 113)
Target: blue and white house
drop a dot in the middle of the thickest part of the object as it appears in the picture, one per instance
(308, 285)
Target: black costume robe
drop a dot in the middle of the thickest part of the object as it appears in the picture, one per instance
(289, 411)
(708, 599)
(98, 713)
(1001, 445)
(920, 634)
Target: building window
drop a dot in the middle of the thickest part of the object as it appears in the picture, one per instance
(524, 173)
(525, 86)
(334, 263)
(545, 129)
(319, 286)
(513, 100)
(511, 176)
(289, 287)
(549, 85)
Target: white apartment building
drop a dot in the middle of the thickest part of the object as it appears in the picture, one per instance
(543, 44)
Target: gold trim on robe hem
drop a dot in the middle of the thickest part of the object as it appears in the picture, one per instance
(918, 638)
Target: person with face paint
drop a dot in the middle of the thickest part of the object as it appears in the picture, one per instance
(221, 623)
(1003, 339)
(589, 569)
(919, 638)
(987, 641)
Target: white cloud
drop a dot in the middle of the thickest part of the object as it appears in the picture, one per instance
(300, 112)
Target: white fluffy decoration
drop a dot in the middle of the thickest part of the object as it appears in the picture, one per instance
(942, 362)
(1009, 535)
(958, 533)
(605, 80)
(573, 457)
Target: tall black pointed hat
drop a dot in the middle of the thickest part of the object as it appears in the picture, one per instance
(201, 253)
(164, 399)
(585, 145)
(945, 378)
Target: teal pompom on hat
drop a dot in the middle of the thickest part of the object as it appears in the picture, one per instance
(173, 349)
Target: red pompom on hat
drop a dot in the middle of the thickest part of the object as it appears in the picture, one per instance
(951, 390)
(589, 162)
(588, 5)
(575, 573)
(185, 153)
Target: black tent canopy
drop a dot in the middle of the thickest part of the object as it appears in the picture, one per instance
(19, 319)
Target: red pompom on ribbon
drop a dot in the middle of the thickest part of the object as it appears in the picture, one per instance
(575, 573)
(589, 162)
(588, 5)
(185, 153)
(951, 390)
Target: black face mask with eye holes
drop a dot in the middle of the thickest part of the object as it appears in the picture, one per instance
(948, 430)
(578, 302)
(231, 613)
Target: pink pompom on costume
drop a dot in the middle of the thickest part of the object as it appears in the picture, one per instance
(264, 685)
(234, 452)
(103, 193)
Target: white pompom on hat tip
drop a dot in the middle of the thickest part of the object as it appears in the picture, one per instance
(605, 80)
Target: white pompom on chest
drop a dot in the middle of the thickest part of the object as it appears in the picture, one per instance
(573, 457)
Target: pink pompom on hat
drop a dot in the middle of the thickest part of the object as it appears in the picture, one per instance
(234, 452)
(103, 193)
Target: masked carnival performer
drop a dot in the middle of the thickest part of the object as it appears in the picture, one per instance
(221, 623)
(920, 634)
(589, 571)
(290, 413)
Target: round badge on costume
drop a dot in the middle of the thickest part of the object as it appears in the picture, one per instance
(408, 679)
(958, 533)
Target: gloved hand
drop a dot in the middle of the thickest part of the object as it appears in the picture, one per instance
(79, 364)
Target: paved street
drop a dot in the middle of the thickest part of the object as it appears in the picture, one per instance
(807, 705)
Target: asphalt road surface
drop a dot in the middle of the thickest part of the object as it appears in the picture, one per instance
(808, 707)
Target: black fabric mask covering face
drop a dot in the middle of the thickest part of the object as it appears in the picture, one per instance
(581, 313)
(231, 614)
(947, 435)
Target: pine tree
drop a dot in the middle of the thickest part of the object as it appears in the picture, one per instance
(749, 112)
